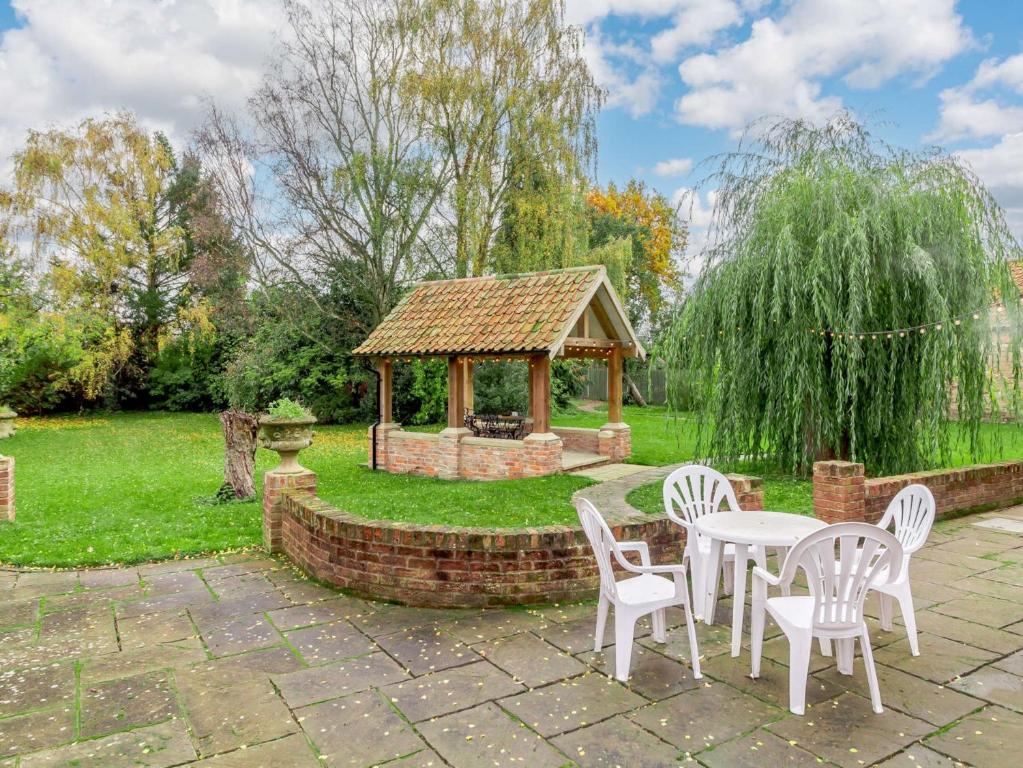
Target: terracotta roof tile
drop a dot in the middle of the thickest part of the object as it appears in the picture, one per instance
(498, 314)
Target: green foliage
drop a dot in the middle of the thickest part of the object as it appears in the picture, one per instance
(501, 387)
(286, 408)
(826, 229)
(302, 355)
(421, 392)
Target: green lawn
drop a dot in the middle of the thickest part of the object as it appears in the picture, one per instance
(133, 487)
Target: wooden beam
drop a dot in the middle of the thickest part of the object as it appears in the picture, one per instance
(614, 387)
(385, 368)
(468, 385)
(456, 413)
(540, 393)
(584, 343)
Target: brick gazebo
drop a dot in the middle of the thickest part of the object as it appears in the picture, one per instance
(535, 317)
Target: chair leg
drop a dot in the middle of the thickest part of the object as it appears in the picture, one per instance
(625, 628)
(694, 651)
(727, 576)
(905, 598)
(868, 662)
(799, 668)
(756, 639)
(699, 590)
(660, 626)
(845, 651)
(825, 644)
(602, 606)
(885, 603)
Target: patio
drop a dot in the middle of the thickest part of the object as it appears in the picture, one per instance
(239, 661)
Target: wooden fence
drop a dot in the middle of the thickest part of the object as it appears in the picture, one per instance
(651, 385)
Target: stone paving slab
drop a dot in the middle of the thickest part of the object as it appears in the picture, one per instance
(157, 746)
(240, 662)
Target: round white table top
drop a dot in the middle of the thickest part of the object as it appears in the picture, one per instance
(769, 529)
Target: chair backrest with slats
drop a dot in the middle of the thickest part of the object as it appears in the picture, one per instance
(692, 491)
(601, 540)
(841, 563)
(912, 513)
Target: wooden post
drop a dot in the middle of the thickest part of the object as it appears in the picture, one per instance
(540, 393)
(456, 415)
(385, 368)
(467, 386)
(614, 386)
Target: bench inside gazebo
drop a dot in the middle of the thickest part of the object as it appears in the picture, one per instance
(533, 317)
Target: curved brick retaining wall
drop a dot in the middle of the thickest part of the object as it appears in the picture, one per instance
(439, 565)
(447, 566)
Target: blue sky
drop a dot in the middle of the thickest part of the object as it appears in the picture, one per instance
(906, 108)
(683, 76)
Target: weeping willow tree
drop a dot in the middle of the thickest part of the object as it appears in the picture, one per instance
(845, 303)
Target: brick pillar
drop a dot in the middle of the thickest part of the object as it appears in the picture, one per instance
(6, 488)
(614, 440)
(749, 491)
(542, 452)
(274, 486)
(449, 464)
(839, 492)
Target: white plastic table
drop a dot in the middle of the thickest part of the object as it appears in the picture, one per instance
(745, 530)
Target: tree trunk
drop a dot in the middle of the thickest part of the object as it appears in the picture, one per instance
(637, 396)
(239, 454)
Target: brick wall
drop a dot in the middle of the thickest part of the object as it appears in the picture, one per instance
(749, 491)
(455, 454)
(274, 486)
(842, 493)
(6, 488)
(448, 566)
(579, 438)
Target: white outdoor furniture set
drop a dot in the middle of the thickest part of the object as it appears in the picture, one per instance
(841, 564)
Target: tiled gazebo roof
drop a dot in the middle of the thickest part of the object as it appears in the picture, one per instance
(501, 314)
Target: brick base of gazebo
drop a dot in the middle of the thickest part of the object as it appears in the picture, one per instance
(455, 454)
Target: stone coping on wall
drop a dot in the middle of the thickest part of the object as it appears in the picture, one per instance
(441, 565)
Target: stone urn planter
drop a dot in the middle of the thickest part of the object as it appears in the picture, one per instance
(287, 437)
(7, 417)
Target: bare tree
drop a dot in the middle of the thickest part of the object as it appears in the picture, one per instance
(329, 177)
(508, 96)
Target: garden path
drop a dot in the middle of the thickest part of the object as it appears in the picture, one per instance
(238, 661)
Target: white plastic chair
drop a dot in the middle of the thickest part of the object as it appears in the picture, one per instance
(689, 493)
(636, 596)
(912, 513)
(841, 562)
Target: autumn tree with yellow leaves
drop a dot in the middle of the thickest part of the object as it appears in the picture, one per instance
(658, 239)
(114, 228)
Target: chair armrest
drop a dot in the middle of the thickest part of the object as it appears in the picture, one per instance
(646, 567)
(766, 576)
(636, 546)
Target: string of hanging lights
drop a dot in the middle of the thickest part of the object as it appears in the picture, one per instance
(899, 333)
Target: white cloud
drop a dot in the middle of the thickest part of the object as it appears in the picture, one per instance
(68, 60)
(982, 107)
(1000, 167)
(780, 67)
(611, 63)
(676, 166)
(696, 209)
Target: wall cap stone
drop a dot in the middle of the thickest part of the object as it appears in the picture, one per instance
(838, 468)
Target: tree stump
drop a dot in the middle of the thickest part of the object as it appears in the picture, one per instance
(240, 430)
